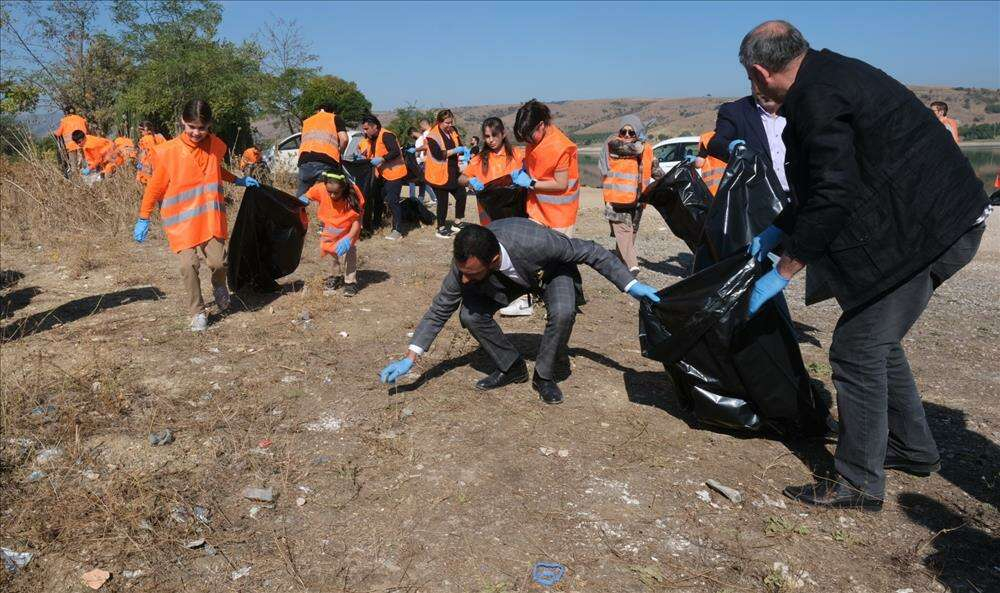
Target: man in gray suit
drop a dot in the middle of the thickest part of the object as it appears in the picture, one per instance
(494, 266)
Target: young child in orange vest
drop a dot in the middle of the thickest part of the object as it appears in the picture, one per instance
(341, 204)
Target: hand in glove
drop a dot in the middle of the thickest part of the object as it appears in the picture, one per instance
(640, 291)
(343, 246)
(690, 159)
(736, 143)
(141, 230)
(247, 182)
(304, 199)
(476, 184)
(462, 152)
(412, 150)
(521, 178)
(395, 370)
(765, 242)
(377, 161)
(764, 290)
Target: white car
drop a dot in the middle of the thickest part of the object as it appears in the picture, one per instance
(283, 156)
(673, 150)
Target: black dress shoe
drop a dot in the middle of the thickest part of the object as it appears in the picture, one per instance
(835, 495)
(914, 468)
(547, 390)
(517, 373)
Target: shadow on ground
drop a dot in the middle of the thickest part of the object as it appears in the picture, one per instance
(676, 265)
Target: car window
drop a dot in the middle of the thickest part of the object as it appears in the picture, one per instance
(291, 144)
(352, 147)
(676, 151)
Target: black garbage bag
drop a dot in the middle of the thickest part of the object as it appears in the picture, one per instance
(414, 174)
(500, 198)
(682, 199)
(363, 174)
(414, 212)
(730, 371)
(267, 238)
(750, 197)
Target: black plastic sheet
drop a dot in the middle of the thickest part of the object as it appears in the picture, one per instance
(682, 199)
(500, 198)
(267, 239)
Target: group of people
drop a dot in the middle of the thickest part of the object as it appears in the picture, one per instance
(95, 157)
(850, 145)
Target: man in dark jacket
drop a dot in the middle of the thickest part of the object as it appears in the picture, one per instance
(753, 120)
(887, 208)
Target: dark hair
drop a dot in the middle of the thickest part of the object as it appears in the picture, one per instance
(326, 106)
(148, 125)
(772, 44)
(528, 116)
(444, 114)
(496, 125)
(352, 199)
(476, 241)
(941, 105)
(411, 130)
(197, 111)
(371, 120)
(78, 136)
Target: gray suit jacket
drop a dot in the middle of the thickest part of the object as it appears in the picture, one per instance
(536, 252)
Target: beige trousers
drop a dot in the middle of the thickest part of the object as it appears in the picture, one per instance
(350, 263)
(213, 252)
(625, 234)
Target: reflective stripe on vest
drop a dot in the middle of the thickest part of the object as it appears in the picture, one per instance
(563, 198)
(192, 209)
(712, 172)
(190, 194)
(436, 170)
(318, 137)
(556, 209)
(191, 213)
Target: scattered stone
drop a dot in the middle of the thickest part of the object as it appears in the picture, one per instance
(145, 524)
(546, 451)
(776, 503)
(41, 411)
(193, 545)
(732, 494)
(407, 412)
(164, 437)
(36, 475)
(289, 379)
(202, 514)
(306, 489)
(305, 315)
(563, 453)
(328, 423)
(95, 386)
(300, 501)
(96, 578)
(605, 425)
(239, 574)
(213, 350)
(703, 496)
(209, 550)
(409, 334)
(180, 514)
(131, 574)
(261, 494)
(322, 459)
(343, 334)
(50, 454)
(13, 561)
(91, 474)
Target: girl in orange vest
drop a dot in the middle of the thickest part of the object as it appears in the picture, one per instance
(341, 205)
(99, 154)
(496, 159)
(383, 152)
(441, 170)
(627, 165)
(551, 170)
(187, 184)
(148, 140)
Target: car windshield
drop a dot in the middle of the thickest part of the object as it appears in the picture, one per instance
(675, 151)
(291, 144)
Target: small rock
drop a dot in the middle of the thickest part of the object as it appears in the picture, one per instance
(300, 501)
(202, 514)
(209, 550)
(344, 334)
(164, 437)
(289, 379)
(47, 455)
(13, 561)
(704, 496)
(43, 411)
(306, 489)
(36, 475)
(604, 425)
(239, 574)
(305, 315)
(193, 545)
(180, 514)
(91, 474)
(407, 412)
(261, 494)
(254, 510)
(322, 459)
(96, 578)
(145, 524)
(732, 494)
(776, 503)
(546, 451)
(95, 386)
(409, 334)
(131, 574)
(563, 453)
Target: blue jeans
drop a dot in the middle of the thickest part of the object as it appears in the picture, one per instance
(308, 172)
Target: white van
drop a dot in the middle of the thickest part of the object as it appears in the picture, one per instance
(283, 156)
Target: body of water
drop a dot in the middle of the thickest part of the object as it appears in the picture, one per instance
(985, 160)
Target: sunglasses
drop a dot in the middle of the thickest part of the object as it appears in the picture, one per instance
(626, 133)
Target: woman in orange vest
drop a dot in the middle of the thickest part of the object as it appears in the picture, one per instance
(148, 140)
(99, 154)
(627, 165)
(494, 160)
(383, 152)
(441, 170)
(551, 171)
(187, 184)
(711, 168)
(341, 206)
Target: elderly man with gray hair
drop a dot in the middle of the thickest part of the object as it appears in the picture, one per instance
(886, 208)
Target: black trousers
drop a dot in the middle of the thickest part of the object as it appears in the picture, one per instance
(477, 316)
(877, 399)
(442, 203)
(390, 193)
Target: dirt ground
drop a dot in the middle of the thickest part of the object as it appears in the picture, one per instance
(431, 486)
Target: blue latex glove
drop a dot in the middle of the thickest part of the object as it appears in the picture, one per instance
(138, 166)
(85, 171)
(412, 150)
(247, 182)
(764, 290)
(463, 152)
(765, 242)
(476, 184)
(141, 230)
(343, 246)
(690, 159)
(734, 144)
(395, 370)
(304, 199)
(377, 161)
(521, 178)
(640, 290)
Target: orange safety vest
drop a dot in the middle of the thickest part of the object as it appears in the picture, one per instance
(250, 156)
(146, 145)
(556, 210)
(69, 124)
(436, 170)
(390, 171)
(320, 134)
(336, 216)
(192, 210)
(627, 178)
(498, 166)
(712, 170)
(126, 149)
(96, 150)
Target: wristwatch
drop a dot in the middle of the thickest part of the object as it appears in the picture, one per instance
(533, 181)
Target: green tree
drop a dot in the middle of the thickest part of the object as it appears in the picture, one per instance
(408, 117)
(287, 66)
(349, 102)
(17, 97)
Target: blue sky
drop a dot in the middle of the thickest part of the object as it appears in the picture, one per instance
(466, 53)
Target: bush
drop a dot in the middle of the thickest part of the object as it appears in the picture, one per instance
(979, 132)
(993, 107)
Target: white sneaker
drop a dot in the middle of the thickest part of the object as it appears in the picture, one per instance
(222, 299)
(521, 307)
(199, 323)
(394, 236)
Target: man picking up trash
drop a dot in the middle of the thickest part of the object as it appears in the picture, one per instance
(494, 266)
(887, 209)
